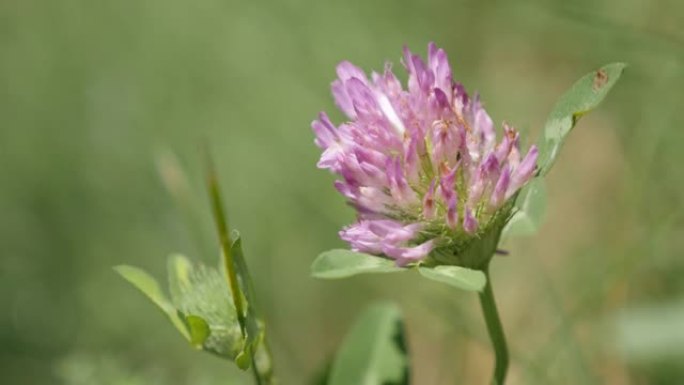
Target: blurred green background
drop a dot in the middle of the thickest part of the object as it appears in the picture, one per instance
(94, 93)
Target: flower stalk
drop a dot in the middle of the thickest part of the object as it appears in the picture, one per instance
(495, 330)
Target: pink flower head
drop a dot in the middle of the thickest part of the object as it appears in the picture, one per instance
(421, 165)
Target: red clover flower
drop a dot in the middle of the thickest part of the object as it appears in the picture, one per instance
(422, 167)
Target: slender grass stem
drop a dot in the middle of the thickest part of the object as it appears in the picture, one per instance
(225, 243)
(226, 248)
(496, 333)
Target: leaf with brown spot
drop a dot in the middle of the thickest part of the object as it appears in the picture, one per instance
(585, 95)
(600, 79)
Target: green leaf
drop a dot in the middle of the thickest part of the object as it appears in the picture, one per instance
(529, 211)
(236, 276)
(341, 263)
(581, 98)
(179, 270)
(244, 359)
(203, 300)
(456, 276)
(199, 330)
(374, 352)
(243, 276)
(255, 344)
(149, 286)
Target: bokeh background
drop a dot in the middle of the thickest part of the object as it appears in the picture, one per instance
(97, 96)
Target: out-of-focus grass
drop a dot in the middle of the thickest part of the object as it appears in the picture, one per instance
(91, 91)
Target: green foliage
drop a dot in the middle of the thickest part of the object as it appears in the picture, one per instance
(340, 263)
(201, 307)
(255, 346)
(199, 330)
(529, 210)
(374, 352)
(204, 312)
(254, 350)
(201, 295)
(456, 276)
(585, 95)
(582, 97)
(150, 288)
(91, 90)
(179, 270)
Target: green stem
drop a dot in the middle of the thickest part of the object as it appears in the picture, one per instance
(226, 248)
(255, 371)
(496, 333)
(226, 245)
